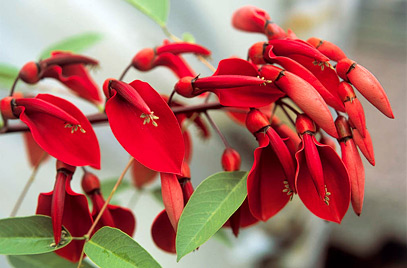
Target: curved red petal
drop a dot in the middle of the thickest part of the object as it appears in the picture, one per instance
(236, 66)
(265, 183)
(365, 145)
(356, 171)
(173, 198)
(77, 148)
(175, 63)
(336, 180)
(287, 47)
(76, 78)
(163, 234)
(161, 147)
(77, 219)
(123, 219)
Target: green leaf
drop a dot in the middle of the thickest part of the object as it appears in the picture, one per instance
(8, 74)
(29, 235)
(157, 10)
(188, 37)
(75, 44)
(47, 260)
(110, 247)
(209, 207)
(107, 186)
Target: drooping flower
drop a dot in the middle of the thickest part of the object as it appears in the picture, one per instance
(68, 209)
(236, 82)
(270, 183)
(322, 181)
(353, 163)
(58, 127)
(67, 68)
(144, 125)
(114, 216)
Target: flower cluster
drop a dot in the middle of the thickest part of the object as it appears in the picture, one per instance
(282, 73)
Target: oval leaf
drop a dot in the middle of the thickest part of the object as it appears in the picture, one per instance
(157, 10)
(209, 207)
(29, 235)
(48, 260)
(75, 44)
(110, 247)
(8, 74)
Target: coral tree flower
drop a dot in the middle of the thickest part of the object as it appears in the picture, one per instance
(114, 216)
(176, 191)
(270, 183)
(254, 19)
(58, 127)
(67, 68)
(236, 82)
(66, 208)
(144, 125)
(353, 163)
(322, 181)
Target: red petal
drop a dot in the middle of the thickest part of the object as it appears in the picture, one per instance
(287, 47)
(172, 197)
(163, 234)
(365, 145)
(159, 148)
(142, 175)
(76, 149)
(35, 153)
(77, 219)
(236, 66)
(314, 163)
(182, 47)
(356, 171)
(175, 63)
(76, 78)
(265, 183)
(336, 180)
(245, 218)
(123, 219)
(327, 48)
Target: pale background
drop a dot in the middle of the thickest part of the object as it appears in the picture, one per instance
(371, 32)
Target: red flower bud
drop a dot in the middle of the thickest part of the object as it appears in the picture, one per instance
(256, 120)
(144, 59)
(90, 183)
(30, 72)
(231, 160)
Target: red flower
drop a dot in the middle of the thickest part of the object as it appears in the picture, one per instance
(322, 181)
(66, 208)
(58, 127)
(270, 183)
(144, 125)
(67, 68)
(236, 82)
(114, 216)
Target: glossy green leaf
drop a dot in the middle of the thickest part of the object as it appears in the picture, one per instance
(157, 10)
(188, 37)
(47, 260)
(209, 207)
(110, 247)
(75, 44)
(29, 235)
(8, 74)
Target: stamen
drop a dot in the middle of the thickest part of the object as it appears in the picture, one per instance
(149, 117)
(75, 128)
(288, 190)
(327, 194)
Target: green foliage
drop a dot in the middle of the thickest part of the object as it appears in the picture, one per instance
(209, 207)
(29, 235)
(188, 37)
(157, 10)
(8, 74)
(110, 247)
(75, 44)
(47, 260)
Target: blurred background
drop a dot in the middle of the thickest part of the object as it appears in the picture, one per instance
(372, 32)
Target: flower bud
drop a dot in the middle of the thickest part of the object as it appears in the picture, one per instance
(144, 59)
(256, 51)
(304, 124)
(256, 120)
(231, 160)
(30, 73)
(90, 183)
(184, 87)
(343, 128)
(6, 108)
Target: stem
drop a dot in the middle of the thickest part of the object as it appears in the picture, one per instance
(27, 186)
(288, 115)
(273, 112)
(206, 63)
(216, 128)
(102, 210)
(125, 71)
(102, 118)
(288, 106)
(170, 98)
(14, 86)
